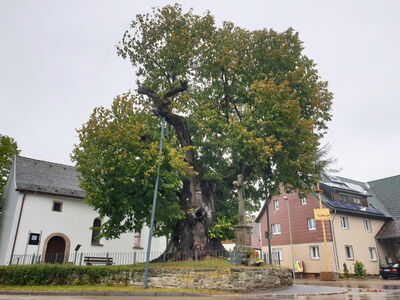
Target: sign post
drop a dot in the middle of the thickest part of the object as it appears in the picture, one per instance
(322, 214)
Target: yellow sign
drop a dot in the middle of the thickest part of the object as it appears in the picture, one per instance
(298, 266)
(321, 214)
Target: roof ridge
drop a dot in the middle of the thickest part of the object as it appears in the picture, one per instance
(383, 178)
(45, 161)
(353, 180)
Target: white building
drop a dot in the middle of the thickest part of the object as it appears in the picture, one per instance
(44, 218)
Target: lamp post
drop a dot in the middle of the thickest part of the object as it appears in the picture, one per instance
(290, 234)
(268, 233)
(153, 211)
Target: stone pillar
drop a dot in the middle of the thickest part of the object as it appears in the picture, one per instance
(243, 230)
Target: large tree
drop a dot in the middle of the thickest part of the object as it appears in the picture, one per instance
(235, 101)
(8, 148)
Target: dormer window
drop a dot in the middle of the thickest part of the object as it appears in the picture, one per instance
(357, 201)
(343, 198)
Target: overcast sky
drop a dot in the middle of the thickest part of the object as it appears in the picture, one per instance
(58, 62)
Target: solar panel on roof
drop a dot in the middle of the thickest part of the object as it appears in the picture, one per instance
(334, 179)
(355, 207)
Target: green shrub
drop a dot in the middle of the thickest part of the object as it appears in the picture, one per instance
(359, 269)
(54, 274)
(346, 270)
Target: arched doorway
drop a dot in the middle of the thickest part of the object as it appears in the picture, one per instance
(55, 251)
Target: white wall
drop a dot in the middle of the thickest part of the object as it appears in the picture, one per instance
(74, 221)
(11, 204)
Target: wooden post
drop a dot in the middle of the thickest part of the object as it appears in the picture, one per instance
(327, 259)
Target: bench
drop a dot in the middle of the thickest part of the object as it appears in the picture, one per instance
(96, 260)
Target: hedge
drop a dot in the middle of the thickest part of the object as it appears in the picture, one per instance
(55, 274)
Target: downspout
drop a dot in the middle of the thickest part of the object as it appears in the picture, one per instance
(16, 232)
(334, 242)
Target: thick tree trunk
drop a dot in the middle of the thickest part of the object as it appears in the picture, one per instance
(197, 197)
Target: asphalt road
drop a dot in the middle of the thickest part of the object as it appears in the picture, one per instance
(303, 289)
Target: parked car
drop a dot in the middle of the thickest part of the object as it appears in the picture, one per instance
(390, 270)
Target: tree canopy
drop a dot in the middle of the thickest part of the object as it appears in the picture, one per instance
(236, 102)
(8, 148)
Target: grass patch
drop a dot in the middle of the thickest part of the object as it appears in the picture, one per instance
(201, 264)
(190, 264)
(99, 288)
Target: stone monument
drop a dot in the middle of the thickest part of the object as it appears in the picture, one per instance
(243, 230)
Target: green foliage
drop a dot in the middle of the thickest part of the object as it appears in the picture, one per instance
(345, 269)
(359, 269)
(255, 106)
(221, 229)
(117, 157)
(8, 148)
(51, 274)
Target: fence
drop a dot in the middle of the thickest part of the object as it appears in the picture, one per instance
(131, 258)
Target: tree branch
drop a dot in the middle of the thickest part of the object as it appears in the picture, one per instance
(144, 90)
(184, 86)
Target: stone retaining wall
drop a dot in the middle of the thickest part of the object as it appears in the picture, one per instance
(240, 279)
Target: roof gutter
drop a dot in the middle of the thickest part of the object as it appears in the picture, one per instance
(49, 193)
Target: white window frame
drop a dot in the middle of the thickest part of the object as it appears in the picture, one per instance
(344, 222)
(357, 200)
(276, 229)
(312, 225)
(314, 252)
(276, 204)
(303, 200)
(351, 252)
(367, 225)
(279, 251)
(373, 255)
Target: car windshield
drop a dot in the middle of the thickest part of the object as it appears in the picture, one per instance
(391, 266)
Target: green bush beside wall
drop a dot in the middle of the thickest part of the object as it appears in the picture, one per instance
(53, 274)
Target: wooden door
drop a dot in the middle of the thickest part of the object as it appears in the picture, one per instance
(55, 251)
